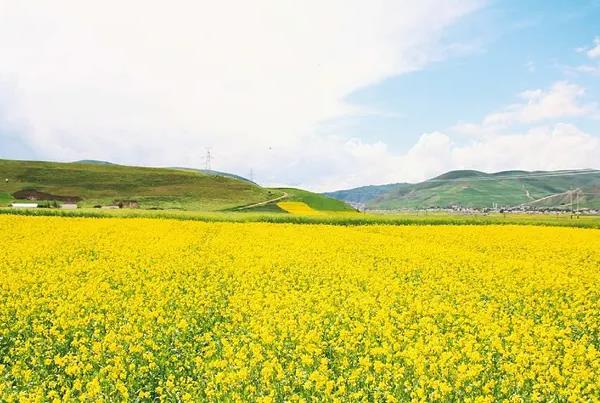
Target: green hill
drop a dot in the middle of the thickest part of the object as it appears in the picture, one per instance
(474, 189)
(100, 183)
(365, 194)
(216, 173)
(316, 201)
(98, 162)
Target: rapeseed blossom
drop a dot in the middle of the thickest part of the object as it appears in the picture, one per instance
(301, 208)
(145, 309)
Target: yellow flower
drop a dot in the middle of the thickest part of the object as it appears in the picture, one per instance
(163, 309)
(93, 387)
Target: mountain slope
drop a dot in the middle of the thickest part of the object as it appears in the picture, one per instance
(364, 194)
(315, 200)
(539, 189)
(104, 183)
(211, 172)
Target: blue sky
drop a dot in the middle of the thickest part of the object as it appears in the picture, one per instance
(313, 94)
(507, 47)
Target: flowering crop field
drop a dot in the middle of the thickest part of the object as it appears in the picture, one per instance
(297, 208)
(142, 309)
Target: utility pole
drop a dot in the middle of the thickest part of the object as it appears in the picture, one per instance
(251, 175)
(571, 201)
(208, 158)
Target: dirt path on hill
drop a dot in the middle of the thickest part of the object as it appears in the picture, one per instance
(265, 202)
(548, 197)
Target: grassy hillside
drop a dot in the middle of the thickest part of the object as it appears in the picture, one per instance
(98, 162)
(480, 190)
(101, 183)
(315, 200)
(365, 194)
(211, 172)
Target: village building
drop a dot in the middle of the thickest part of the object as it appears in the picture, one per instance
(24, 205)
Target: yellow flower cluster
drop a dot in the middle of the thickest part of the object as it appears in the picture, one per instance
(298, 208)
(146, 309)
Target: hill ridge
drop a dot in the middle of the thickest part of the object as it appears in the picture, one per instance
(477, 189)
(93, 183)
(103, 183)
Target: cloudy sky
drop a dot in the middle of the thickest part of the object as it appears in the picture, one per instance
(317, 94)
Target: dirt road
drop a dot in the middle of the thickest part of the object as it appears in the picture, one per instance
(265, 202)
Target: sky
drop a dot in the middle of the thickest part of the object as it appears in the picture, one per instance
(322, 95)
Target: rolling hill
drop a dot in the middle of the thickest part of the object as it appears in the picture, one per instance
(100, 183)
(93, 183)
(475, 189)
(212, 172)
(364, 194)
(315, 201)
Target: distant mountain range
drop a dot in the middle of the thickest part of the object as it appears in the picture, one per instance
(475, 189)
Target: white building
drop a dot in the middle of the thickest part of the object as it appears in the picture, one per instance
(24, 205)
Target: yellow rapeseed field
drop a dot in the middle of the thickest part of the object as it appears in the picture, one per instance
(140, 309)
(298, 208)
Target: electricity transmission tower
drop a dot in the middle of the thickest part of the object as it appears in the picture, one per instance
(208, 159)
(571, 200)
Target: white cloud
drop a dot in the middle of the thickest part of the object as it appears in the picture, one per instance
(594, 51)
(376, 164)
(559, 146)
(588, 68)
(152, 82)
(561, 100)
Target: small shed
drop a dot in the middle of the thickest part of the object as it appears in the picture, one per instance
(69, 206)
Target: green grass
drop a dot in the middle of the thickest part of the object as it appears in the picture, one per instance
(366, 194)
(5, 199)
(332, 218)
(266, 208)
(315, 200)
(152, 187)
